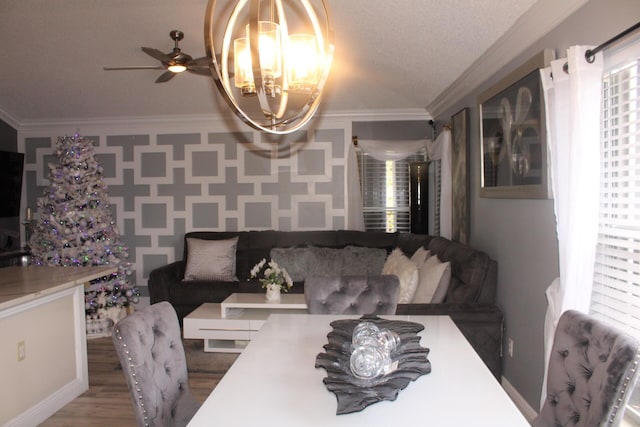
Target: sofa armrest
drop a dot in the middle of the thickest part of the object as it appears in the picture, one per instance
(161, 278)
(481, 325)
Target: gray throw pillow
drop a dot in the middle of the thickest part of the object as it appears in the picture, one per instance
(294, 260)
(361, 261)
(211, 260)
(325, 262)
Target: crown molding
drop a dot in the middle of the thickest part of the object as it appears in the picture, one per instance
(27, 125)
(209, 121)
(540, 19)
(9, 119)
(379, 115)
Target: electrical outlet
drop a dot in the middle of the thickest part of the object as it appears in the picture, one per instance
(510, 349)
(22, 352)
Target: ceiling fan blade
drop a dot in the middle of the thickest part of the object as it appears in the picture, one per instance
(201, 62)
(135, 67)
(165, 77)
(201, 71)
(155, 53)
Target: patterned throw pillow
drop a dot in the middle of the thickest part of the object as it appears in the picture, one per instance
(211, 260)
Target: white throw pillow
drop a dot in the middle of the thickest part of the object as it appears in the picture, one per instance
(420, 256)
(211, 259)
(433, 283)
(399, 265)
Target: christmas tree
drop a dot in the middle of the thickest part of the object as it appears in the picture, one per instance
(76, 229)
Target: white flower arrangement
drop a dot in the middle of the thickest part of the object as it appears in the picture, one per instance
(274, 275)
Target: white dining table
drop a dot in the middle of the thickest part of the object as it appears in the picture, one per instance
(274, 382)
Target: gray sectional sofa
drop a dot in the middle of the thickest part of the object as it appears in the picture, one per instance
(469, 301)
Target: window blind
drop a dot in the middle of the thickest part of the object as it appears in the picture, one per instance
(385, 192)
(616, 287)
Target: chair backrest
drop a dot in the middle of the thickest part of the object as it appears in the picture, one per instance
(352, 294)
(592, 371)
(152, 357)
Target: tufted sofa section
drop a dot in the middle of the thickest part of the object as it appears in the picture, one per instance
(473, 272)
(592, 370)
(470, 299)
(352, 294)
(152, 357)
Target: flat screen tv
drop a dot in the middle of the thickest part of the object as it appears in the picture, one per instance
(11, 167)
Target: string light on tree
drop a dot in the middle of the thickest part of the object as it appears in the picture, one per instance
(76, 228)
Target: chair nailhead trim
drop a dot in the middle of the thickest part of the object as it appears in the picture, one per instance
(623, 391)
(133, 374)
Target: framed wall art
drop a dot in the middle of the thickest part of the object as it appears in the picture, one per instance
(460, 180)
(513, 150)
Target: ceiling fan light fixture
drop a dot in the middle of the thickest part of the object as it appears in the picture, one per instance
(282, 74)
(173, 63)
(177, 68)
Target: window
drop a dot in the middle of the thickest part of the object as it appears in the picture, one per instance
(616, 286)
(385, 192)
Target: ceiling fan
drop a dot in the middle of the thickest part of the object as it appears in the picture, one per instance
(174, 62)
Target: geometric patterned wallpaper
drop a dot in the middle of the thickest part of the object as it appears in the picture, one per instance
(161, 185)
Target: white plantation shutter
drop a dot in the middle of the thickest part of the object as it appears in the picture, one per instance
(616, 286)
(615, 295)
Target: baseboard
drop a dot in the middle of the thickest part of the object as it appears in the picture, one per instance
(42, 410)
(524, 407)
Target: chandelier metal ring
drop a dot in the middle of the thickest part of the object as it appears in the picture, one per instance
(287, 85)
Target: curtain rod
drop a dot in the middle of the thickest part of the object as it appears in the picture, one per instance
(590, 54)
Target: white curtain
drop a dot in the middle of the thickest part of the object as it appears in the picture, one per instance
(391, 150)
(440, 149)
(573, 105)
(355, 217)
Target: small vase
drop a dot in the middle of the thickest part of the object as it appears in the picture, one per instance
(273, 293)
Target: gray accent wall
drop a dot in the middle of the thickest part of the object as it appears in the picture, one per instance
(161, 185)
(520, 234)
(165, 179)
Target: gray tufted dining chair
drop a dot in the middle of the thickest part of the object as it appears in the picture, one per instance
(352, 294)
(152, 357)
(592, 372)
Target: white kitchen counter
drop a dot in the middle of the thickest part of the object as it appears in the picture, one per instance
(22, 284)
(43, 348)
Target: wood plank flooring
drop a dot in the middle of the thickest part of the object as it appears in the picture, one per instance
(107, 402)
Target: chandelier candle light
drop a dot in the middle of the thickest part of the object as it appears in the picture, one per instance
(281, 59)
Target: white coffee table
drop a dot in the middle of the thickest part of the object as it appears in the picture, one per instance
(228, 326)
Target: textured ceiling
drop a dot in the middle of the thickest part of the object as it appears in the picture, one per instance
(389, 55)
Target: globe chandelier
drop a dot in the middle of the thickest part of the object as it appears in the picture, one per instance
(273, 61)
